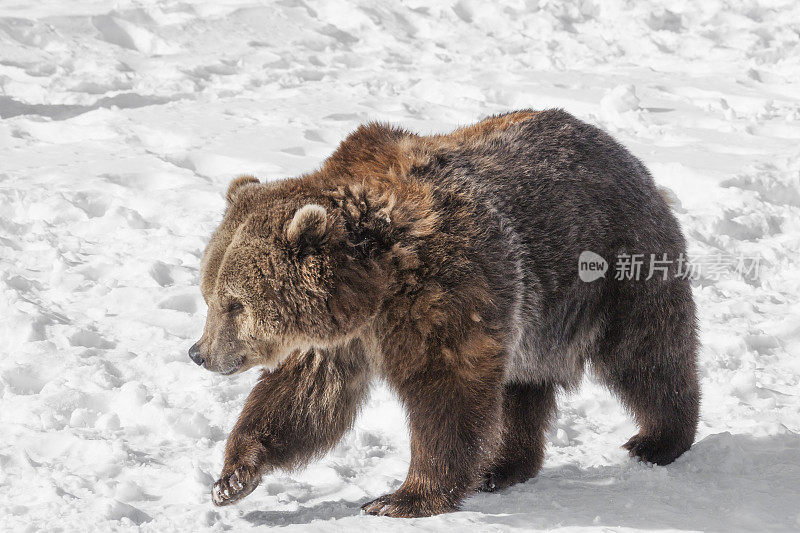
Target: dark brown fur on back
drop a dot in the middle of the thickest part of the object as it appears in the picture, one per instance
(448, 266)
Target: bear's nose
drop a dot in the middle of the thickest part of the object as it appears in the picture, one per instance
(194, 354)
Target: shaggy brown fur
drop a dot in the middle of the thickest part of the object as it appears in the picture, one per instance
(448, 266)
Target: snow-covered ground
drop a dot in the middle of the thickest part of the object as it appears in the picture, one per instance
(123, 121)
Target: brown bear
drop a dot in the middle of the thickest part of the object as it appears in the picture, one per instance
(448, 266)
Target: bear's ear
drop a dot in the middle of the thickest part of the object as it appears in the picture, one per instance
(308, 226)
(238, 185)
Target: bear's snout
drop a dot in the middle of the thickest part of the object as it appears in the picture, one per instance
(195, 355)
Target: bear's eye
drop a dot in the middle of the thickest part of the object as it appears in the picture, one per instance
(234, 307)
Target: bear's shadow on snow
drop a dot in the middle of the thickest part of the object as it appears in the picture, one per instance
(725, 482)
(322, 511)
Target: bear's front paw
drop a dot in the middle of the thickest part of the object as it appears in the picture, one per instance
(233, 487)
(407, 504)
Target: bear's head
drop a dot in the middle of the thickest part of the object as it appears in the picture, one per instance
(281, 273)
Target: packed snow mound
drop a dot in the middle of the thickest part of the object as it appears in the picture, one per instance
(121, 123)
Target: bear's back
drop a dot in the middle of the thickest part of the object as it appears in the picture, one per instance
(564, 187)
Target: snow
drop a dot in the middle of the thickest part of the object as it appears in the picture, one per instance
(123, 121)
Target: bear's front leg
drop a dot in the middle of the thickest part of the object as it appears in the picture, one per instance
(455, 416)
(293, 413)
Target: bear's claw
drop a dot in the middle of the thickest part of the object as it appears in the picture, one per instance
(504, 477)
(488, 484)
(401, 504)
(233, 487)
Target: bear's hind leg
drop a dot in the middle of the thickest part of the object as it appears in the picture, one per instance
(528, 410)
(649, 359)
